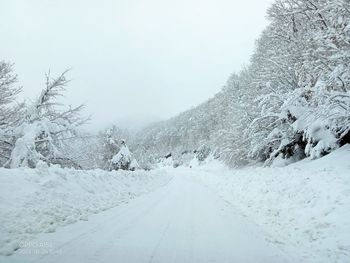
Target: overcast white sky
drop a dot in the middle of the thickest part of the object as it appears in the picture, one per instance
(131, 59)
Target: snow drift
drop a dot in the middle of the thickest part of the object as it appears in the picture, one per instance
(302, 207)
(39, 200)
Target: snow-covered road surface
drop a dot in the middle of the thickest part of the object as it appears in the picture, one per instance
(180, 222)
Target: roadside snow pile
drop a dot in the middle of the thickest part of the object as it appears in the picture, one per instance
(304, 207)
(39, 200)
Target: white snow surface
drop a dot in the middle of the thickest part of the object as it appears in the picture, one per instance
(207, 213)
(302, 207)
(182, 222)
(34, 201)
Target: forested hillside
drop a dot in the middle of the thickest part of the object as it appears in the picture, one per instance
(291, 101)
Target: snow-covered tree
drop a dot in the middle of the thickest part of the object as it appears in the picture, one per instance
(202, 153)
(10, 111)
(291, 101)
(46, 128)
(124, 159)
(304, 101)
(110, 143)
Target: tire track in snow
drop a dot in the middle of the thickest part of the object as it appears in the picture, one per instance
(159, 243)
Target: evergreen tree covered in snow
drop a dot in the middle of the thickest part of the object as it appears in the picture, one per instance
(110, 142)
(123, 160)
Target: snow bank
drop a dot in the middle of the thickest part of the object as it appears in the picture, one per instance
(302, 207)
(40, 200)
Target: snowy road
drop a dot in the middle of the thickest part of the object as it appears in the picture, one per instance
(180, 222)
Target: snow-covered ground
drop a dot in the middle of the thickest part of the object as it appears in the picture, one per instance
(182, 222)
(207, 213)
(34, 201)
(303, 207)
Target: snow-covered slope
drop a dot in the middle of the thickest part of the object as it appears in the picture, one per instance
(39, 200)
(303, 207)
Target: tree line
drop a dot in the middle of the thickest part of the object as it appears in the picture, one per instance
(290, 102)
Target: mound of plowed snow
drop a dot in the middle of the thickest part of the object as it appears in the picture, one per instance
(39, 200)
(304, 206)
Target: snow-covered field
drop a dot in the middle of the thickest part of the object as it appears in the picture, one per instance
(34, 201)
(303, 207)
